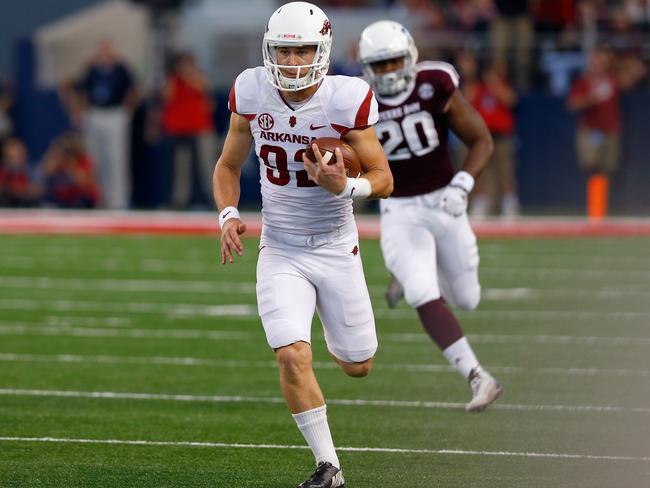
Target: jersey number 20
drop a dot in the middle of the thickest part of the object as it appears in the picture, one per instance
(417, 129)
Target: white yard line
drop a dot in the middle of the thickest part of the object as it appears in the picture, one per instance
(33, 329)
(125, 285)
(111, 395)
(236, 363)
(532, 339)
(54, 331)
(208, 266)
(250, 310)
(69, 320)
(391, 450)
(117, 285)
(179, 309)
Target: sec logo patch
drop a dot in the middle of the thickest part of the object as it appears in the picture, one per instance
(425, 91)
(266, 121)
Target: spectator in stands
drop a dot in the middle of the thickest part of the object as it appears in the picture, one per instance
(623, 34)
(68, 174)
(494, 98)
(108, 92)
(596, 96)
(188, 123)
(17, 186)
(554, 17)
(473, 15)
(512, 30)
(637, 11)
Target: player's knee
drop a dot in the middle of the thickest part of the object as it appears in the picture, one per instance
(357, 370)
(467, 299)
(294, 359)
(419, 293)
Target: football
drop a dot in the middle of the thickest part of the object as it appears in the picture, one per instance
(327, 145)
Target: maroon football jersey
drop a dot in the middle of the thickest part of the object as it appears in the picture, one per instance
(413, 130)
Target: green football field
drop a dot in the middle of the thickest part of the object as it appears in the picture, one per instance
(140, 362)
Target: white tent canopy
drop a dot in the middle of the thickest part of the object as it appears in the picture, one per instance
(65, 47)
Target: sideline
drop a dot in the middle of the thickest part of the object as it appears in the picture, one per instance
(49, 221)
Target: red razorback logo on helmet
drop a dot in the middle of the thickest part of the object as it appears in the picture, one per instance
(327, 28)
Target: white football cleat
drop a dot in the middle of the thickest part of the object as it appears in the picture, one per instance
(485, 390)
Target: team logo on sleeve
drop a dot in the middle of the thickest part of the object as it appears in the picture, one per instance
(265, 121)
(292, 121)
(425, 91)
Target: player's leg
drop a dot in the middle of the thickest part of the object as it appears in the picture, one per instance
(345, 309)
(457, 257)
(286, 302)
(409, 250)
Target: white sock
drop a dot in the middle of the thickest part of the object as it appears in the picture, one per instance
(461, 357)
(316, 431)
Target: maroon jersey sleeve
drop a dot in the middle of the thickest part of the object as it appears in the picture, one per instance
(442, 77)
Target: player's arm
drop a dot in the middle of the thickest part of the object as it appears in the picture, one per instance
(377, 180)
(226, 185)
(469, 126)
(373, 161)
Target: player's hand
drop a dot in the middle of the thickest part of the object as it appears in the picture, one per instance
(330, 176)
(230, 241)
(454, 196)
(454, 200)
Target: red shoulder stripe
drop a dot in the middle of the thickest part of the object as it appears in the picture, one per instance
(341, 129)
(232, 104)
(361, 119)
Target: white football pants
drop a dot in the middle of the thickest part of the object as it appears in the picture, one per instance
(297, 274)
(430, 252)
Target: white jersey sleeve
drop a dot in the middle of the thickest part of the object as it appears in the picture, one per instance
(353, 104)
(244, 95)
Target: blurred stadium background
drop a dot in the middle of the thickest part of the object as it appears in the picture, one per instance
(118, 352)
(46, 49)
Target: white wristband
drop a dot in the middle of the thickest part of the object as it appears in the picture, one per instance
(227, 214)
(463, 180)
(356, 189)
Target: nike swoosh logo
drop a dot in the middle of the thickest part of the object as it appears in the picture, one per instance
(316, 127)
(352, 191)
(226, 214)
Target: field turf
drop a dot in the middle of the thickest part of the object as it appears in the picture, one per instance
(140, 362)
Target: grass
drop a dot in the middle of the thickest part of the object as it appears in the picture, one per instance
(564, 324)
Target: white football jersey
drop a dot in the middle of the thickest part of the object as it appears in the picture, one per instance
(290, 201)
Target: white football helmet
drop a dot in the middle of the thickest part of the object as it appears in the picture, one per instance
(297, 24)
(384, 40)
